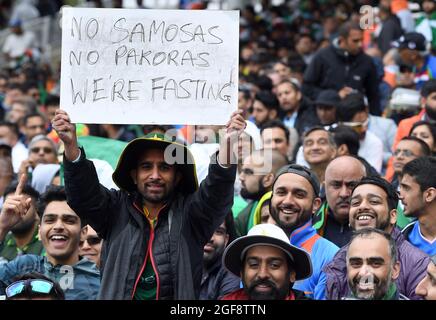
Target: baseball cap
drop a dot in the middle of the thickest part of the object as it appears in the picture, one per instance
(412, 41)
(301, 171)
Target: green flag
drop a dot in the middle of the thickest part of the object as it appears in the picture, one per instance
(102, 148)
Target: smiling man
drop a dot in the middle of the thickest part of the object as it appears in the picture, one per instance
(295, 197)
(319, 148)
(408, 149)
(372, 266)
(155, 227)
(60, 231)
(267, 264)
(90, 247)
(374, 205)
(331, 220)
(42, 150)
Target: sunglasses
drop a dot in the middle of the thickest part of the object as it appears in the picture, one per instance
(92, 241)
(37, 286)
(45, 149)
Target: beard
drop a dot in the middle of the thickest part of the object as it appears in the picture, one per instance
(157, 198)
(383, 224)
(381, 287)
(276, 293)
(23, 227)
(430, 113)
(302, 217)
(210, 258)
(261, 190)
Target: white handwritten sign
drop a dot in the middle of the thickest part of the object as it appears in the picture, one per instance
(125, 66)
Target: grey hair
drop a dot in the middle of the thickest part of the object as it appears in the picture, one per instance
(40, 137)
(367, 232)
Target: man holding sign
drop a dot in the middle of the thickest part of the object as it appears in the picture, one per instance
(156, 225)
(124, 66)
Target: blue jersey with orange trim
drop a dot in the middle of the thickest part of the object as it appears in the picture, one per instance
(321, 253)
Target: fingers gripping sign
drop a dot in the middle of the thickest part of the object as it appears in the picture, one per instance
(63, 126)
(14, 208)
(234, 128)
(67, 133)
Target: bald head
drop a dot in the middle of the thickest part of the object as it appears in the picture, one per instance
(341, 175)
(346, 163)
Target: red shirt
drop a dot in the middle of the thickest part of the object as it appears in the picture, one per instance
(241, 295)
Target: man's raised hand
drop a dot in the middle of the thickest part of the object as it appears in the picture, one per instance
(67, 133)
(233, 129)
(14, 208)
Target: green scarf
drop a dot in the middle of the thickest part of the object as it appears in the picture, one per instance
(392, 292)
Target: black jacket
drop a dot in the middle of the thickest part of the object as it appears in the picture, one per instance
(178, 239)
(391, 31)
(218, 282)
(333, 68)
(306, 117)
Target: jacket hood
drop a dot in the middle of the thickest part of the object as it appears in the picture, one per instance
(257, 211)
(175, 153)
(43, 175)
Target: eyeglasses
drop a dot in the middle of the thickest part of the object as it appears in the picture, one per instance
(37, 286)
(92, 241)
(406, 153)
(45, 149)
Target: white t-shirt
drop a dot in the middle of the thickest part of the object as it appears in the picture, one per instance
(19, 153)
(371, 149)
(15, 45)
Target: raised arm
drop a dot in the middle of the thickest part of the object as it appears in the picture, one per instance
(67, 133)
(14, 208)
(234, 127)
(85, 195)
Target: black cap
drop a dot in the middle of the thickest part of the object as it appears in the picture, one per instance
(412, 41)
(328, 98)
(301, 171)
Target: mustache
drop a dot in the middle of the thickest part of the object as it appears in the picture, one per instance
(289, 207)
(340, 202)
(154, 183)
(264, 282)
(358, 279)
(210, 244)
